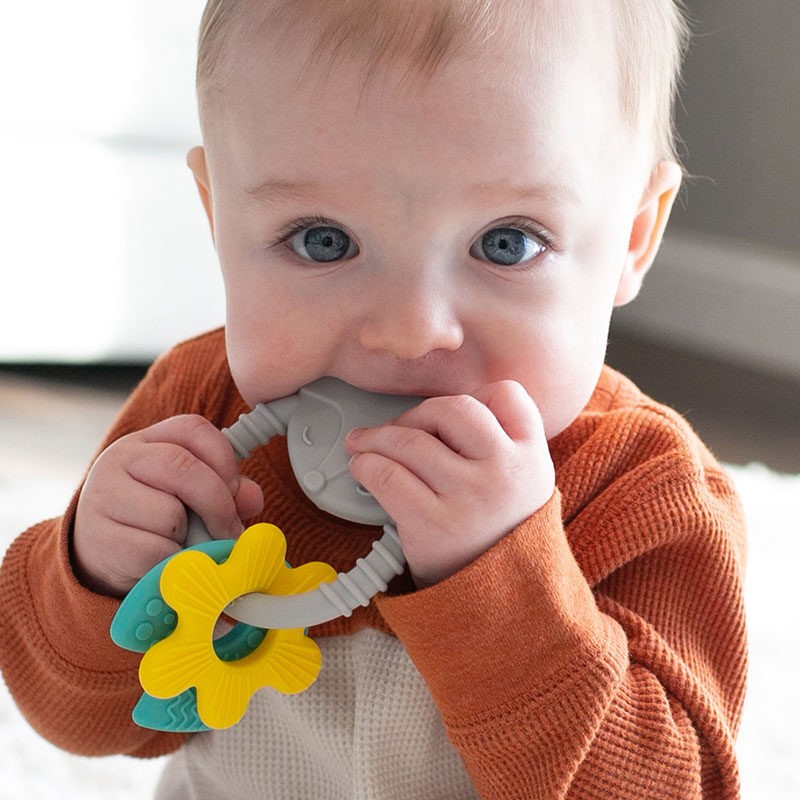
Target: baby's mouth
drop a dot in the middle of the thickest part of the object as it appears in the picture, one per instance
(411, 386)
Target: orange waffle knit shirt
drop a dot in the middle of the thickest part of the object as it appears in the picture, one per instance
(597, 651)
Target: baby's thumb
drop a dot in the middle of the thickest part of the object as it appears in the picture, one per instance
(249, 498)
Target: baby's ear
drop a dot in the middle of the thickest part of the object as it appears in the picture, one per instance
(648, 228)
(196, 159)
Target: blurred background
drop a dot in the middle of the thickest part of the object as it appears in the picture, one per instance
(106, 258)
(106, 261)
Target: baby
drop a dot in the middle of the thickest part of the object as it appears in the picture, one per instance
(444, 198)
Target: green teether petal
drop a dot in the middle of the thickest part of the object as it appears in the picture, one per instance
(175, 715)
(144, 618)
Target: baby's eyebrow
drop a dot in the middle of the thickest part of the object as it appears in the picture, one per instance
(552, 193)
(275, 190)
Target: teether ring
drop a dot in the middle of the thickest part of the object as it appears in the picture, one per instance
(194, 683)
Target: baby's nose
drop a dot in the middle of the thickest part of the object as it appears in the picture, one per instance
(410, 322)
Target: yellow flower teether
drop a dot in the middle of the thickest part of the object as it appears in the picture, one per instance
(198, 590)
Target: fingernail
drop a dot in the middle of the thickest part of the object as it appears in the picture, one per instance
(355, 433)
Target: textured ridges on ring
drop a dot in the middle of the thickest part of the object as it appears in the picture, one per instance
(341, 604)
(370, 575)
(253, 429)
(359, 595)
(374, 578)
(396, 562)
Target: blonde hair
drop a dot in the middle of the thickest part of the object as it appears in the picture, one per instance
(651, 38)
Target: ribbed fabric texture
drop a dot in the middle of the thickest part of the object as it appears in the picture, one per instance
(366, 730)
(597, 651)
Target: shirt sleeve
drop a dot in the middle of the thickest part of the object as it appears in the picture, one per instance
(73, 685)
(601, 658)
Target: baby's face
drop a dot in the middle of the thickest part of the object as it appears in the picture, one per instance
(425, 238)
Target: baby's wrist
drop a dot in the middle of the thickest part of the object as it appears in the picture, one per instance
(435, 561)
(429, 569)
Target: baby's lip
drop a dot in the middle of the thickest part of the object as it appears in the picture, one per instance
(405, 391)
(421, 385)
(410, 388)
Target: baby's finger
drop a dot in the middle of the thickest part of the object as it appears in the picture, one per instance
(392, 484)
(197, 435)
(462, 422)
(249, 499)
(513, 408)
(429, 459)
(144, 508)
(174, 470)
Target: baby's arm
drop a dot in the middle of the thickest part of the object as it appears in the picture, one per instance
(132, 510)
(72, 683)
(456, 474)
(607, 658)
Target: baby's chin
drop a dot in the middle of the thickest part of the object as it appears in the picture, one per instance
(552, 428)
(558, 414)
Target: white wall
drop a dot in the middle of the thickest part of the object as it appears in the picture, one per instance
(104, 249)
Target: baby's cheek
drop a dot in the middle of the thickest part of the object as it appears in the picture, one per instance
(259, 364)
(564, 383)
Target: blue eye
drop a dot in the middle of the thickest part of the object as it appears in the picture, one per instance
(507, 246)
(322, 244)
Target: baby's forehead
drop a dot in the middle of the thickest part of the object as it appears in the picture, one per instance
(380, 33)
(419, 36)
(636, 47)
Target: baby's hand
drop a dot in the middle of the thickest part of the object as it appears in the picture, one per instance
(456, 474)
(132, 509)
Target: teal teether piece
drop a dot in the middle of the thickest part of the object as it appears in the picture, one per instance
(179, 714)
(239, 642)
(175, 715)
(144, 618)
